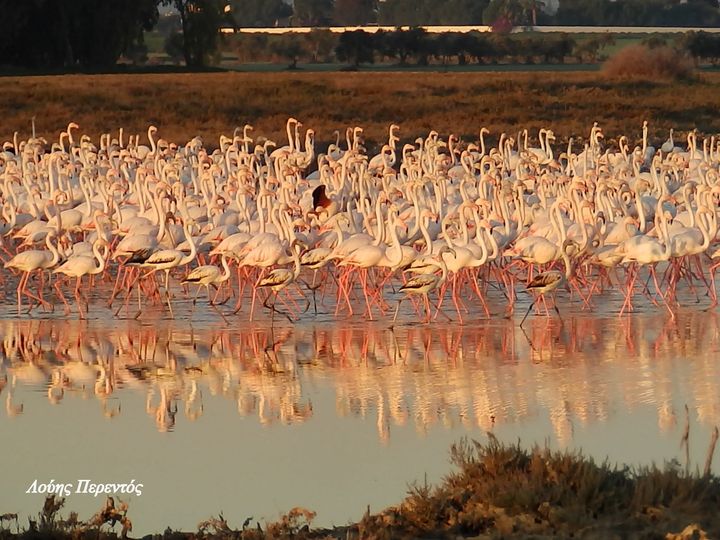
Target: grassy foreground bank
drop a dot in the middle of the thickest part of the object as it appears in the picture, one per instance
(208, 104)
(497, 491)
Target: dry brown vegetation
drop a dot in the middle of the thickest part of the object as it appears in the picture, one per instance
(498, 491)
(646, 63)
(185, 105)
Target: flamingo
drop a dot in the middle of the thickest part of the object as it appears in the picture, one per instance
(550, 280)
(423, 284)
(167, 259)
(31, 260)
(645, 250)
(207, 275)
(82, 265)
(279, 279)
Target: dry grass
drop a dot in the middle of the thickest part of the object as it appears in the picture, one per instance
(646, 63)
(185, 105)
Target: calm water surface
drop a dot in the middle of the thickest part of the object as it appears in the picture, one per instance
(334, 417)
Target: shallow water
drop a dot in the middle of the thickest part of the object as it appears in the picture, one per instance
(332, 415)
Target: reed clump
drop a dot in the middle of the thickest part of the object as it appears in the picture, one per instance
(50, 523)
(661, 63)
(505, 490)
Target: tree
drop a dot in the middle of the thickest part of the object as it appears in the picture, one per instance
(173, 47)
(404, 12)
(456, 12)
(114, 24)
(312, 12)
(320, 44)
(458, 44)
(259, 13)
(201, 21)
(638, 12)
(402, 44)
(426, 12)
(83, 33)
(354, 12)
(479, 46)
(589, 50)
(509, 10)
(582, 12)
(443, 46)
(532, 7)
(702, 46)
(356, 47)
(692, 13)
(26, 41)
(253, 47)
(289, 46)
(555, 48)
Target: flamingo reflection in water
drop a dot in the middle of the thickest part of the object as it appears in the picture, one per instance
(408, 377)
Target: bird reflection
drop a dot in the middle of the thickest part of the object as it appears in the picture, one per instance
(581, 371)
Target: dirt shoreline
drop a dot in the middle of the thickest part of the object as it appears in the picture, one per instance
(496, 491)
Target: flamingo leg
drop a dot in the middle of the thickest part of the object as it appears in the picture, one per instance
(528, 311)
(455, 298)
(363, 282)
(122, 271)
(480, 295)
(255, 291)
(60, 294)
(20, 290)
(78, 299)
(397, 308)
(657, 288)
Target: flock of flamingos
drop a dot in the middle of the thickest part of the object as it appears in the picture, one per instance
(355, 232)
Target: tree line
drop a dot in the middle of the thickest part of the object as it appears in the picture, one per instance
(415, 46)
(259, 13)
(94, 34)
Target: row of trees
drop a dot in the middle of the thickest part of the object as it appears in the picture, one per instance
(702, 13)
(416, 46)
(62, 34)
(462, 48)
(57, 33)
(458, 12)
(702, 46)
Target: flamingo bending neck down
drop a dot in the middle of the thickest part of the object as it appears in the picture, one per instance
(550, 280)
(280, 278)
(207, 275)
(425, 283)
(167, 259)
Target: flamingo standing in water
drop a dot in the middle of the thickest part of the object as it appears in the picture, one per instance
(279, 279)
(31, 260)
(207, 275)
(167, 259)
(550, 280)
(82, 265)
(425, 283)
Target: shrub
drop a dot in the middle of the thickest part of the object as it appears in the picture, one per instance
(640, 61)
